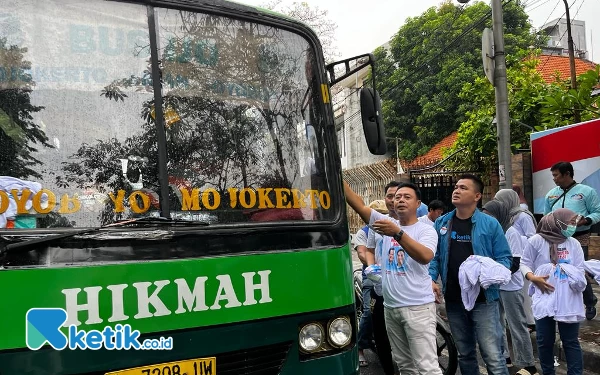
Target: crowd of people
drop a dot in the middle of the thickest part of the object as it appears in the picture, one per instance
(496, 269)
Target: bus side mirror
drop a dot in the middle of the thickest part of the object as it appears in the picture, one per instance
(370, 108)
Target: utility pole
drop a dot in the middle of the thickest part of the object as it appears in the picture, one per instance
(501, 90)
(577, 115)
(500, 85)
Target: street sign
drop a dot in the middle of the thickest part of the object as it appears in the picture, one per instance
(487, 54)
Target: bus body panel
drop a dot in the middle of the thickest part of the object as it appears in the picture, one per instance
(283, 283)
(261, 342)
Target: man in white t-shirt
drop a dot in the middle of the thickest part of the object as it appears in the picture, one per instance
(410, 312)
(436, 209)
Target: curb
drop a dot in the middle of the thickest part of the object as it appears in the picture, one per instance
(590, 346)
(591, 355)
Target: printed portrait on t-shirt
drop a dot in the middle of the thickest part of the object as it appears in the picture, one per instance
(390, 258)
(563, 256)
(396, 258)
(400, 260)
(379, 259)
(560, 274)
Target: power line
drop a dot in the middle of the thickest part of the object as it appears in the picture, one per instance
(529, 4)
(563, 34)
(538, 5)
(474, 25)
(550, 15)
(456, 16)
(392, 67)
(424, 65)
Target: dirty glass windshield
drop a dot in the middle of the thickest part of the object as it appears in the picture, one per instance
(79, 142)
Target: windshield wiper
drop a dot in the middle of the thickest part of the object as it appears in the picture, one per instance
(158, 220)
(28, 244)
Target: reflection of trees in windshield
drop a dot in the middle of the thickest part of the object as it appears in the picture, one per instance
(99, 166)
(232, 95)
(244, 64)
(18, 132)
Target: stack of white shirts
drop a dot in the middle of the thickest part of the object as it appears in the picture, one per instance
(593, 266)
(543, 304)
(565, 304)
(479, 271)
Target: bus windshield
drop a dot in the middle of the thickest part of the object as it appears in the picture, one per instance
(170, 169)
(82, 143)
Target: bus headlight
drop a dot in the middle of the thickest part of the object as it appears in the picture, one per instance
(311, 337)
(340, 331)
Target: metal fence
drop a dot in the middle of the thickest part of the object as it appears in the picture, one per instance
(437, 185)
(368, 181)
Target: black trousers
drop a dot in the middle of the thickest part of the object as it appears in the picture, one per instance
(384, 350)
(589, 299)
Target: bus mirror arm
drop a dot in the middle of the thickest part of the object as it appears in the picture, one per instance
(351, 66)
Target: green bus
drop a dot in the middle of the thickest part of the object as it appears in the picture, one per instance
(171, 196)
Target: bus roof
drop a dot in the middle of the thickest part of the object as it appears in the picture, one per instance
(221, 6)
(244, 8)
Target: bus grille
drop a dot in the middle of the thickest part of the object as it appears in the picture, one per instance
(265, 360)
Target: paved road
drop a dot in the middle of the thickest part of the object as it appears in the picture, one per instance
(375, 369)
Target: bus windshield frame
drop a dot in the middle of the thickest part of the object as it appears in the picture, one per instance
(237, 130)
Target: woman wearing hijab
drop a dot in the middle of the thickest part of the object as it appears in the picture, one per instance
(524, 222)
(522, 200)
(520, 218)
(552, 247)
(511, 297)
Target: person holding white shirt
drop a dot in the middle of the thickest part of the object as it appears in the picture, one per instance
(463, 232)
(409, 301)
(554, 245)
(511, 298)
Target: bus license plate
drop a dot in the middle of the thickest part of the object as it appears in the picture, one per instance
(199, 366)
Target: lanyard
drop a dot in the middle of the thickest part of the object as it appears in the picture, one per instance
(563, 195)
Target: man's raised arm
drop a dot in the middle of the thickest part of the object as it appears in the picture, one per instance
(357, 204)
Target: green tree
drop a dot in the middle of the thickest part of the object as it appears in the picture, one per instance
(562, 101)
(19, 134)
(534, 105)
(217, 139)
(316, 18)
(477, 139)
(431, 58)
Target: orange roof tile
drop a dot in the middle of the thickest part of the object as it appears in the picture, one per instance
(551, 64)
(434, 155)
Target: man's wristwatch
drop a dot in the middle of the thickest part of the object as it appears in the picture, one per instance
(588, 221)
(398, 236)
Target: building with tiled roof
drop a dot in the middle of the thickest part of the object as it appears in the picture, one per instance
(433, 156)
(551, 66)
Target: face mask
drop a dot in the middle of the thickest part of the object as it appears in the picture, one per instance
(570, 231)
